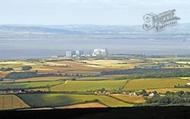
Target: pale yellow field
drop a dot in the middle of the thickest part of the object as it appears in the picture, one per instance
(15, 64)
(186, 78)
(73, 66)
(11, 102)
(84, 105)
(63, 66)
(180, 62)
(130, 99)
(112, 63)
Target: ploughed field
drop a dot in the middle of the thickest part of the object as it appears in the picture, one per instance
(11, 102)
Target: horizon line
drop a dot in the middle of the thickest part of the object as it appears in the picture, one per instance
(78, 24)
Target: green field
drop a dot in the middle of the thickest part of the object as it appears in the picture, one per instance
(41, 79)
(154, 83)
(89, 85)
(15, 85)
(75, 82)
(54, 100)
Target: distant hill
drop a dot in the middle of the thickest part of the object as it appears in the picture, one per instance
(92, 29)
(34, 29)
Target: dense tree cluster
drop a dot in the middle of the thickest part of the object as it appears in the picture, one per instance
(171, 98)
(6, 69)
(151, 73)
(26, 68)
(21, 75)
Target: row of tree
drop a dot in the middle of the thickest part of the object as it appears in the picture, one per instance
(151, 73)
(6, 69)
(24, 68)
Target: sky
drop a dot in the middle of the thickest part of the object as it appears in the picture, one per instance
(97, 12)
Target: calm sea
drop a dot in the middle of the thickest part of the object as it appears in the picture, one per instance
(22, 48)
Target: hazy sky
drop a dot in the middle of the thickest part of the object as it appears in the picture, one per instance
(102, 12)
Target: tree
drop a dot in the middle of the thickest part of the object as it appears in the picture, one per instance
(26, 68)
(6, 69)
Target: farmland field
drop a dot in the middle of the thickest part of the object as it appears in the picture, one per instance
(55, 100)
(75, 66)
(106, 77)
(81, 83)
(15, 64)
(63, 66)
(113, 64)
(154, 83)
(11, 102)
(130, 99)
(89, 85)
(84, 105)
(14, 85)
(40, 79)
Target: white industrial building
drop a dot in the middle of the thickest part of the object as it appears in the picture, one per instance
(76, 53)
(79, 53)
(69, 53)
(100, 53)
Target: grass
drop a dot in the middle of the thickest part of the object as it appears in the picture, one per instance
(40, 79)
(154, 83)
(11, 102)
(13, 85)
(55, 100)
(89, 85)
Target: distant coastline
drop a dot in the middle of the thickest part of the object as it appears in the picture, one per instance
(22, 41)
